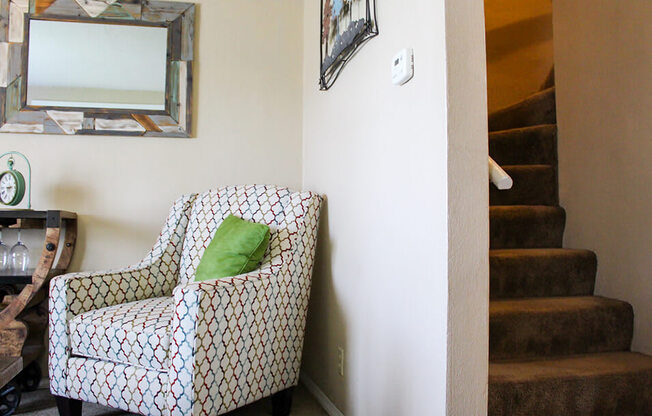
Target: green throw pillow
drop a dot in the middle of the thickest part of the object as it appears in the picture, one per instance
(238, 247)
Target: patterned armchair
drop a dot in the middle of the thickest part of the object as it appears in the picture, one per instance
(148, 339)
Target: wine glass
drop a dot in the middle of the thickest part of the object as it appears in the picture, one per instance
(20, 257)
(4, 256)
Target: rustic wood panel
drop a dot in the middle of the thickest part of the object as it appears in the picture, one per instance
(9, 368)
(94, 8)
(4, 20)
(133, 7)
(50, 127)
(174, 40)
(17, 10)
(118, 125)
(14, 67)
(188, 34)
(68, 8)
(116, 11)
(189, 97)
(163, 11)
(68, 121)
(183, 85)
(9, 314)
(39, 6)
(69, 240)
(4, 64)
(13, 99)
(12, 338)
(173, 88)
(3, 104)
(23, 121)
(27, 224)
(146, 122)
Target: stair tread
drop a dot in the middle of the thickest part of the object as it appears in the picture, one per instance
(566, 304)
(540, 252)
(529, 99)
(519, 131)
(541, 272)
(538, 166)
(569, 367)
(605, 384)
(526, 209)
(536, 327)
(538, 108)
(524, 145)
(526, 226)
(533, 184)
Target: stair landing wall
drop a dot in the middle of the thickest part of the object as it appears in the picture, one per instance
(604, 103)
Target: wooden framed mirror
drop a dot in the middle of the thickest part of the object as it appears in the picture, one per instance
(96, 67)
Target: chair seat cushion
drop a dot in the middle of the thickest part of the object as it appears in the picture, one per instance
(136, 333)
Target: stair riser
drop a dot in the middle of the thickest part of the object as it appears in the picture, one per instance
(530, 335)
(528, 146)
(535, 185)
(525, 230)
(615, 395)
(538, 109)
(540, 276)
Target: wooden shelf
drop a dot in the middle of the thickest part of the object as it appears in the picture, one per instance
(15, 280)
(10, 367)
(27, 218)
(25, 304)
(12, 279)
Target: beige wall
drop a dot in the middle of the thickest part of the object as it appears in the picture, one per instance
(248, 129)
(519, 48)
(380, 154)
(468, 213)
(604, 102)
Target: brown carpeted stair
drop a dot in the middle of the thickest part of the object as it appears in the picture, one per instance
(534, 110)
(555, 349)
(527, 226)
(605, 384)
(544, 272)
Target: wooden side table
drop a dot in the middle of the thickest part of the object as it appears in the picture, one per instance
(24, 309)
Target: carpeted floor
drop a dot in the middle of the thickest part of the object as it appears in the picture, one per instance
(41, 403)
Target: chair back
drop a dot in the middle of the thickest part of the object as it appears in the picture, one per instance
(284, 211)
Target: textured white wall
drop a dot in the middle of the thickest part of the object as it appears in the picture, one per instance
(380, 154)
(603, 59)
(468, 210)
(248, 130)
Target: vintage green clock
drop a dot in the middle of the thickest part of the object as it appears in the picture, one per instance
(12, 182)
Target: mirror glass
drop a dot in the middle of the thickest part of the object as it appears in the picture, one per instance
(96, 65)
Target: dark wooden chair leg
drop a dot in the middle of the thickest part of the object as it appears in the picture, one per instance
(68, 407)
(282, 402)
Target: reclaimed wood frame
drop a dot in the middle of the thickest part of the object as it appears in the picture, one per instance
(17, 117)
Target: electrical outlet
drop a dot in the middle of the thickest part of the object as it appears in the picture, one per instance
(340, 361)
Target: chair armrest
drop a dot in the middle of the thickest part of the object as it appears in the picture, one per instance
(76, 293)
(238, 336)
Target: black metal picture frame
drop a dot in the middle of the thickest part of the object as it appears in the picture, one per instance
(346, 25)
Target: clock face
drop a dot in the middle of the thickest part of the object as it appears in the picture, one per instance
(8, 188)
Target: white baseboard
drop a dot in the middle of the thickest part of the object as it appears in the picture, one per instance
(319, 395)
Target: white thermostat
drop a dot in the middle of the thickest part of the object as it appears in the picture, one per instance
(403, 67)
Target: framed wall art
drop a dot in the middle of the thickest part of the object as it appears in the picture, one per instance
(346, 25)
(96, 67)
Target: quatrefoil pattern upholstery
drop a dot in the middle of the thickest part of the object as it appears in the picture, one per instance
(135, 333)
(150, 340)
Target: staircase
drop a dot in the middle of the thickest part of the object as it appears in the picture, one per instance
(555, 349)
